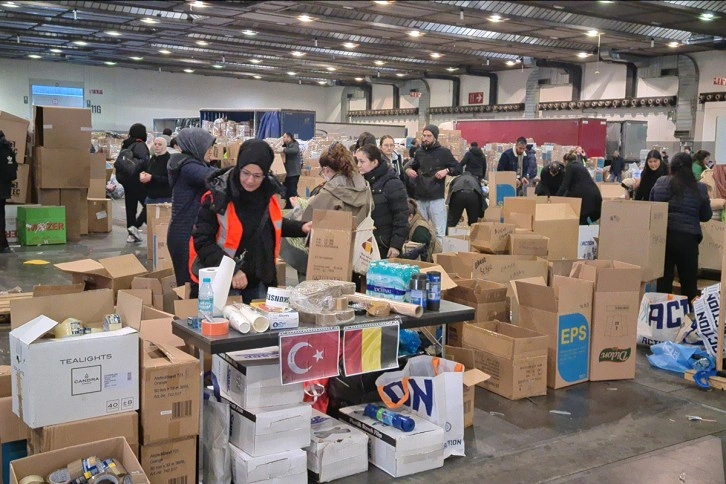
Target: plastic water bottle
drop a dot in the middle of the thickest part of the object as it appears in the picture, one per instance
(206, 299)
(401, 422)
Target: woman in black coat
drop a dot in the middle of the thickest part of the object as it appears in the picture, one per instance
(579, 184)
(134, 190)
(8, 173)
(655, 168)
(155, 175)
(390, 212)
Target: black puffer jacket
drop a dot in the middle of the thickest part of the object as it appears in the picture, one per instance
(390, 208)
(475, 162)
(685, 212)
(579, 184)
(427, 161)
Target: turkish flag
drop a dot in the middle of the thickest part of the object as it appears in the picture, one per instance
(309, 354)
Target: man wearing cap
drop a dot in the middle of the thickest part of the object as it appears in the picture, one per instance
(427, 172)
(518, 160)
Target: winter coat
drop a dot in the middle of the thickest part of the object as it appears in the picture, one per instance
(141, 157)
(617, 165)
(390, 208)
(475, 162)
(549, 184)
(342, 193)
(426, 162)
(158, 187)
(466, 182)
(579, 184)
(685, 212)
(648, 178)
(508, 162)
(291, 151)
(7, 156)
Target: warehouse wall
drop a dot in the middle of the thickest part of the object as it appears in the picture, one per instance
(473, 84)
(131, 95)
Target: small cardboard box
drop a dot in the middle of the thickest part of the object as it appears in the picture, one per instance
(284, 468)
(611, 191)
(161, 257)
(394, 451)
(278, 165)
(16, 131)
(100, 215)
(490, 237)
(528, 244)
(13, 432)
(41, 225)
(514, 357)
(253, 380)
(614, 317)
(170, 461)
(46, 463)
(459, 230)
(331, 246)
(502, 184)
(270, 430)
(57, 127)
(11, 222)
(20, 187)
(455, 243)
(169, 393)
(336, 449)
(54, 437)
(113, 273)
(62, 167)
(161, 283)
(472, 377)
(460, 264)
(563, 312)
(157, 214)
(489, 299)
(73, 200)
(505, 268)
(711, 248)
(645, 222)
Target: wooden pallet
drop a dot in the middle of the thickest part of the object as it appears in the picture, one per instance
(716, 382)
(5, 304)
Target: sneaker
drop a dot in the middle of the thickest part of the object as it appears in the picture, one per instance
(131, 239)
(134, 232)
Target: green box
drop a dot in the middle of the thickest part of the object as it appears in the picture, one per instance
(41, 225)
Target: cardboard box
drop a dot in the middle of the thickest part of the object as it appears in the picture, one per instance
(47, 197)
(587, 242)
(284, 468)
(336, 449)
(72, 200)
(62, 167)
(16, 131)
(472, 377)
(57, 127)
(84, 211)
(11, 222)
(493, 214)
(502, 184)
(13, 432)
(60, 436)
(46, 463)
(331, 246)
(270, 430)
(248, 380)
(306, 185)
(111, 273)
(528, 244)
(459, 230)
(156, 214)
(489, 299)
(645, 222)
(514, 357)
(171, 461)
(505, 268)
(426, 267)
(20, 187)
(161, 257)
(153, 325)
(455, 243)
(557, 218)
(711, 248)
(281, 272)
(100, 215)
(610, 191)
(490, 237)
(563, 312)
(562, 267)
(616, 303)
(161, 283)
(396, 452)
(169, 393)
(97, 183)
(41, 225)
(459, 264)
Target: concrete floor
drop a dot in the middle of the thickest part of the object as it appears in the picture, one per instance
(618, 432)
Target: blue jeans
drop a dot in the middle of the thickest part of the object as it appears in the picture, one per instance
(435, 211)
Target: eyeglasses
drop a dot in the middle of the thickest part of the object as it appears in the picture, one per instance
(255, 176)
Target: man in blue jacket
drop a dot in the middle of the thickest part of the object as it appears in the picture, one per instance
(518, 160)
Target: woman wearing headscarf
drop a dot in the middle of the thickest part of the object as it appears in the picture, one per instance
(154, 174)
(579, 184)
(8, 173)
(688, 206)
(240, 217)
(654, 169)
(134, 192)
(188, 172)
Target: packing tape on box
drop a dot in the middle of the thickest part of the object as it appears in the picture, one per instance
(60, 476)
(278, 297)
(237, 319)
(32, 480)
(69, 327)
(104, 478)
(215, 327)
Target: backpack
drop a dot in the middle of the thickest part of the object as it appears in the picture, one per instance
(8, 166)
(125, 165)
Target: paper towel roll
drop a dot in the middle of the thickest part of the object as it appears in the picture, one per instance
(221, 278)
(259, 322)
(237, 319)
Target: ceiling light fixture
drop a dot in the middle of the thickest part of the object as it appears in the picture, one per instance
(198, 4)
(149, 20)
(382, 2)
(35, 56)
(452, 69)
(165, 52)
(217, 66)
(257, 77)
(56, 51)
(495, 18)
(510, 63)
(255, 61)
(487, 61)
(707, 16)
(673, 44)
(359, 79)
(582, 55)
(110, 63)
(415, 33)
(135, 58)
(350, 45)
(297, 53)
(435, 55)
(202, 42)
(400, 74)
(322, 83)
(331, 69)
(379, 62)
(113, 33)
(291, 73)
(607, 1)
(188, 71)
(592, 33)
(249, 33)
(558, 7)
(11, 5)
(305, 18)
(80, 42)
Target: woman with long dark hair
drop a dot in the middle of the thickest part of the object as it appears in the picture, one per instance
(579, 184)
(655, 168)
(688, 205)
(700, 163)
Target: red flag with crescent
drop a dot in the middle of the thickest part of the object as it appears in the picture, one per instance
(309, 354)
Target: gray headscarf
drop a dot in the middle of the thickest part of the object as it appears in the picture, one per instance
(194, 141)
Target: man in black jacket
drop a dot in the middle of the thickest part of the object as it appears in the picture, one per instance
(475, 162)
(428, 170)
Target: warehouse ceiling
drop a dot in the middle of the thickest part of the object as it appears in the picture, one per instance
(345, 42)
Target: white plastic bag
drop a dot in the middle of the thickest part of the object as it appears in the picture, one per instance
(365, 247)
(215, 440)
(661, 317)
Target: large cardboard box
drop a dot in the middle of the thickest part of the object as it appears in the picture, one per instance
(11, 222)
(394, 451)
(646, 222)
(62, 167)
(472, 377)
(161, 283)
(711, 248)
(455, 243)
(514, 357)
(557, 218)
(20, 187)
(284, 467)
(73, 200)
(161, 257)
(97, 183)
(57, 127)
(50, 197)
(111, 273)
(610, 191)
(16, 131)
(306, 185)
(169, 393)
(270, 430)
(100, 215)
(490, 237)
(156, 214)
(13, 432)
(563, 312)
(505, 268)
(336, 449)
(41, 225)
(528, 244)
(489, 299)
(502, 184)
(331, 246)
(46, 463)
(459, 264)
(171, 461)
(60, 436)
(84, 211)
(614, 317)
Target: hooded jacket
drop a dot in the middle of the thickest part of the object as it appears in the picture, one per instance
(426, 162)
(292, 158)
(390, 208)
(342, 193)
(475, 162)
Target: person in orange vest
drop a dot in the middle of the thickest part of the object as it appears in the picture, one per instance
(241, 218)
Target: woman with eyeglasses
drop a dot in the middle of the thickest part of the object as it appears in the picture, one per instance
(241, 218)
(390, 156)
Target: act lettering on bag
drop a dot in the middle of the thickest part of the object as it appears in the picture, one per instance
(668, 315)
(578, 333)
(418, 396)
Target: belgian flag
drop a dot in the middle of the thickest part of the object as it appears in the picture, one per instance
(370, 347)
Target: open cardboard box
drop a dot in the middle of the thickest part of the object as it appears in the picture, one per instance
(111, 273)
(152, 324)
(161, 283)
(490, 237)
(12, 428)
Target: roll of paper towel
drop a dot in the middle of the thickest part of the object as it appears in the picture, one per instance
(221, 278)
